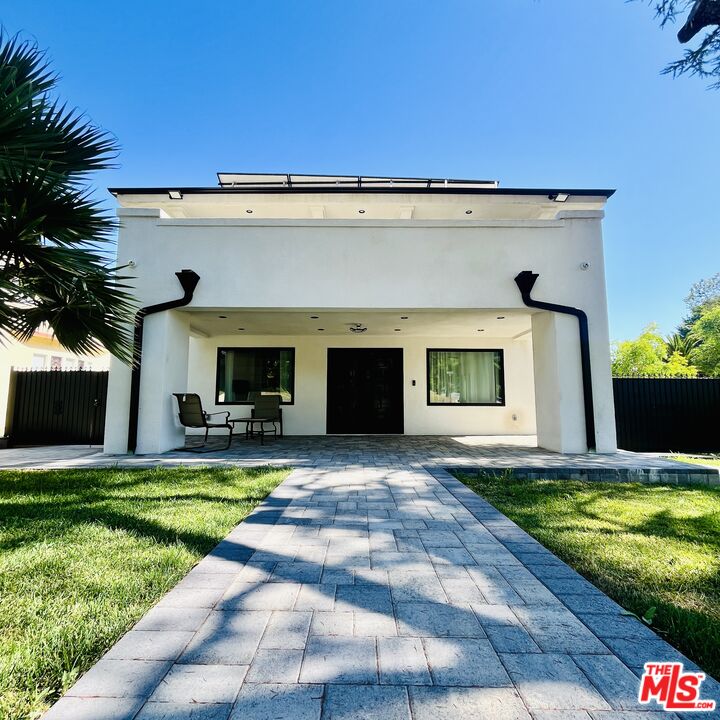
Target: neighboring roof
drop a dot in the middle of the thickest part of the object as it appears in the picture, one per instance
(272, 183)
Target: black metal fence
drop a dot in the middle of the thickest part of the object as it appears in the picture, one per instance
(667, 414)
(57, 407)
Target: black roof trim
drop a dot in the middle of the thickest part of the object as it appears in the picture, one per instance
(293, 190)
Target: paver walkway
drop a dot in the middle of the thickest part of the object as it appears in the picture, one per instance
(386, 592)
(375, 450)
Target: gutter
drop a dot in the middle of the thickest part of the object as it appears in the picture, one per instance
(525, 282)
(188, 280)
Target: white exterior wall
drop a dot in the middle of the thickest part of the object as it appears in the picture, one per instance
(307, 415)
(386, 264)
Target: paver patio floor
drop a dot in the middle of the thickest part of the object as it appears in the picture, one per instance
(389, 592)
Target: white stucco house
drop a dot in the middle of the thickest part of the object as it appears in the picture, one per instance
(371, 305)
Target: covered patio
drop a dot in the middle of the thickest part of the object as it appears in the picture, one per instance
(496, 454)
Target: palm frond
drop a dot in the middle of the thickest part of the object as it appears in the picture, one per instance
(54, 238)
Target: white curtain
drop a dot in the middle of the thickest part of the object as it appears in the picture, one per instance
(464, 377)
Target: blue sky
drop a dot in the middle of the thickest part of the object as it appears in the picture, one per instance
(530, 92)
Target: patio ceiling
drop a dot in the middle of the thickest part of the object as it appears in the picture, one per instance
(418, 323)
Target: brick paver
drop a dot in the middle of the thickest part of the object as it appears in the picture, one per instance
(367, 590)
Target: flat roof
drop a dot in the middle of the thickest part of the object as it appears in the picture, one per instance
(282, 183)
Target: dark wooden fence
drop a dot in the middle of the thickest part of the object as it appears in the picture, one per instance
(57, 407)
(667, 414)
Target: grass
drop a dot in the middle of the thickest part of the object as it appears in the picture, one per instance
(711, 460)
(85, 553)
(644, 545)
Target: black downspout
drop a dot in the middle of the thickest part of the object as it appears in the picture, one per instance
(525, 282)
(188, 280)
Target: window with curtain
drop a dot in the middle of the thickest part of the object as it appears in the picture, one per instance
(465, 377)
(244, 373)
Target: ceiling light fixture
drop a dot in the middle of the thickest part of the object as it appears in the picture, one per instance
(241, 328)
(481, 329)
(468, 212)
(362, 212)
(403, 317)
(500, 317)
(321, 329)
(223, 317)
(357, 328)
(249, 212)
(175, 194)
(314, 317)
(397, 330)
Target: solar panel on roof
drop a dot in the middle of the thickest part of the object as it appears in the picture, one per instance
(269, 180)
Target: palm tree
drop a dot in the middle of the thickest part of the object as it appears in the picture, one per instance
(676, 343)
(55, 240)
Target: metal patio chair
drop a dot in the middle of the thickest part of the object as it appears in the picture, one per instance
(268, 406)
(192, 415)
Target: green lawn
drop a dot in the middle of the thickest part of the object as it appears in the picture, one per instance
(644, 545)
(85, 553)
(712, 460)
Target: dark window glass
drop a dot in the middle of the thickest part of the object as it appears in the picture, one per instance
(244, 373)
(465, 377)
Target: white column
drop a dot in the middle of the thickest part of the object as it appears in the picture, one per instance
(559, 404)
(164, 371)
(117, 408)
(559, 399)
(605, 431)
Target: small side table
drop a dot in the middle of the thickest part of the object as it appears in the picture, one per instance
(250, 423)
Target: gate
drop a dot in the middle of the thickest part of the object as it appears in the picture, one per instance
(667, 414)
(57, 407)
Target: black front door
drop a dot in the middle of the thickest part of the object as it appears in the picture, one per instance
(365, 391)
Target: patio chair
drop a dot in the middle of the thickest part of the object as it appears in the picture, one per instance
(192, 415)
(268, 406)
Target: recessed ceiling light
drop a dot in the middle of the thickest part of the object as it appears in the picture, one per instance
(481, 329)
(362, 212)
(175, 194)
(249, 212)
(314, 317)
(223, 317)
(468, 212)
(500, 317)
(397, 329)
(403, 317)
(321, 329)
(241, 328)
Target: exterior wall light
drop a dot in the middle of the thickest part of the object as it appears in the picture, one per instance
(500, 317)
(468, 212)
(558, 197)
(362, 212)
(403, 317)
(249, 212)
(175, 195)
